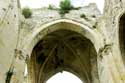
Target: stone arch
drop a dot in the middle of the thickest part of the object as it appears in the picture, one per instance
(38, 33)
(89, 35)
(64, 50)
(122, 35)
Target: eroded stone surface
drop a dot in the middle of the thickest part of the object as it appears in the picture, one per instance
(19, 36)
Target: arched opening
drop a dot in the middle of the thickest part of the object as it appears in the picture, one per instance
(64, 50)
(122, 36)
(64, 77)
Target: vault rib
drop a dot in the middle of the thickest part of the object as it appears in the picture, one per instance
(41, 69)
(75, 54)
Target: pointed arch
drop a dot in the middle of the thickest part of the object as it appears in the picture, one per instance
(64, 50)
(38, 33)
(89, 42)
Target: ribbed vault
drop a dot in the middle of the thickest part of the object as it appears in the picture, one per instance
(122, 36)
(64, 50)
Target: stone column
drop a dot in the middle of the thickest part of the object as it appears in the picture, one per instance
(108, 72)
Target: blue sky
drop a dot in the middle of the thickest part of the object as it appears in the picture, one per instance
(45, 3)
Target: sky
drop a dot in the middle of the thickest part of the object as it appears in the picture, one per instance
(45, 3)
(64, 77)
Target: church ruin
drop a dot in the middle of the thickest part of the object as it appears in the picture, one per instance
(84, 42)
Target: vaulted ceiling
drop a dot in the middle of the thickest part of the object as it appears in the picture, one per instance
(64, 50)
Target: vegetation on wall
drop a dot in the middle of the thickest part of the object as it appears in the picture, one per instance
(65, 7)
(84, 16)
(9, 76)
(27, 12)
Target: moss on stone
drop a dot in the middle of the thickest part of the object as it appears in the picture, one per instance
(27, 12)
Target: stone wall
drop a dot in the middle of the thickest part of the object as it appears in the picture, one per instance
(109, 27)
(16, 33)
(8, 35)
